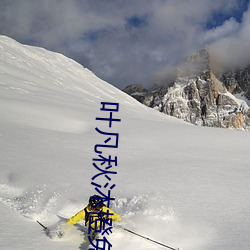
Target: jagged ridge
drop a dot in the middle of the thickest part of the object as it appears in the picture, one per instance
(200, 96)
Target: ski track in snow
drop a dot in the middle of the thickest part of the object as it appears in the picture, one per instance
(143, 214)
(32, 204)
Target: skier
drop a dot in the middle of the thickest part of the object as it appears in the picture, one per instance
(96, 215)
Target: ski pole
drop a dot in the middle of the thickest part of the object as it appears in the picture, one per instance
(150, 239)
(45, 228)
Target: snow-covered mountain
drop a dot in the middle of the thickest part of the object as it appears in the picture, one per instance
(182, 185)
(201, 96)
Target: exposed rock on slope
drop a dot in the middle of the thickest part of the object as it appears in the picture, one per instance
(198, 96)
(237, 81)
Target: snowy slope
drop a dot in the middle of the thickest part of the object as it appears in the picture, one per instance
(182, 185)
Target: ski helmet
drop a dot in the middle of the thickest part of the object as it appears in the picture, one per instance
(95, 201)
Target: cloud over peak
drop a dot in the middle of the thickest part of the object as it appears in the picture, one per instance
(132, 41)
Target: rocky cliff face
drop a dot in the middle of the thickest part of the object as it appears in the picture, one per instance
(201, 97)
(237, 81)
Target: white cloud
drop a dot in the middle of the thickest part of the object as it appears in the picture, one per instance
(228, 28)
(233, 50)
(97, 32)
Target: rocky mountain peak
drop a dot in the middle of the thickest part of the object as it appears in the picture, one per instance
(197, 64)
(200, 96)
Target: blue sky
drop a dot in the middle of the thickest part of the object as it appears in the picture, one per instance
(131, 41)
(218, 17)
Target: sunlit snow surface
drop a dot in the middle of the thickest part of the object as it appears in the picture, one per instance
(181, 185)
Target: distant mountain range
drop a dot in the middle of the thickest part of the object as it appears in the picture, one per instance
(201, 94)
